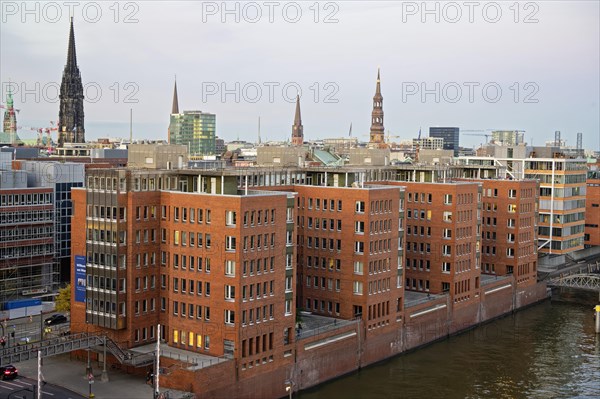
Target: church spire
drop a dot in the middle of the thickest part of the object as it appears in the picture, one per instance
(71, 54)
(297, 128)
(175, 108)
(70, 116)
(377, 131)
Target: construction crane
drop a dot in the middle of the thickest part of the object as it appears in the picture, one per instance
(481, 132)
(40, 132)
(487, 136)
(388, 136)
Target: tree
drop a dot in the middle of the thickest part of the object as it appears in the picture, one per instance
(63, 299)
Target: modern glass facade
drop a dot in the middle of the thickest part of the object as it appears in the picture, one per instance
(196, 130)
(450, 136)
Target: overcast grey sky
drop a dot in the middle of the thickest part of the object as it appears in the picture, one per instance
(442, 64)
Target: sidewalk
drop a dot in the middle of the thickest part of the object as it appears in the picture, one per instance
(62, 371)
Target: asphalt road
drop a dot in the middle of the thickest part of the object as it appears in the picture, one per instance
(22, 388)
(23, 327)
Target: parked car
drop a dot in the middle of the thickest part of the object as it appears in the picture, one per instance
(9, 372)
(55, 319)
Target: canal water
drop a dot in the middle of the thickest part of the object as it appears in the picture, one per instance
(550, 350)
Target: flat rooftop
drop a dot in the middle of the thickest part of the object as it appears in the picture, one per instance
(490, 278)
(412, 298)
(313, 324)
(195, 360)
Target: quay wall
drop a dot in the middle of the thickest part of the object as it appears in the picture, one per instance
(332, 354)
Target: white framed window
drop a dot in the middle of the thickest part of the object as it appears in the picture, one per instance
(357, 287)
(447, 233)
(230, 268)
(447, 250)
(358, 267)
(359, 227)
(446, 267)
(359, 247)
(288, 307)
(230, 218)
(447, 199)
(288, 283)
(447, 216)
(229, 292)
(360, 207)
(230, 243)
(229, 317)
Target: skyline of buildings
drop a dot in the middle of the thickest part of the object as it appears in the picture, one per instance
(231, 256)
(403, 111)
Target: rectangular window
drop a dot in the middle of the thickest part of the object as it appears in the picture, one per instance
(357, 287)
(230, 268)
(360, 207)
(229, 317)
(230, 218)
(229, 292)
(230, 243)
(359, 227)
(359, 247)
(358, 267)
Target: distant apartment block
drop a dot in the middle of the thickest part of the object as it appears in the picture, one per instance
(428, 143)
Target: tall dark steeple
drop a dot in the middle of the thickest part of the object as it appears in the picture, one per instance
(297, 128)
(175, 108)
(71, 128)
(376, 135)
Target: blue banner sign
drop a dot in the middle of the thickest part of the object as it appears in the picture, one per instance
(80, 279)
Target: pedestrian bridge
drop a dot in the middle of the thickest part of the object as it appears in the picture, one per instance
(70, 343)
(587, 278)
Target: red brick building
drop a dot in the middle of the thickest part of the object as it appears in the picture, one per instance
(592, 209)
(348, 260)
(217, 271)
(509, 229)
(442, 238)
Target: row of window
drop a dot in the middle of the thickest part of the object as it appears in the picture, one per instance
(318, 204)
(144, 335)
(191, 310)
(319, 306)
(29, 250)
(26, 199)
(26, 216)
(187, 338)
(249, 291)
(260, 265)
(26, 233)
(252, 218)
(193, 215)
(325, 283)
(258, 314)
(379, 286)
(322, 224)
